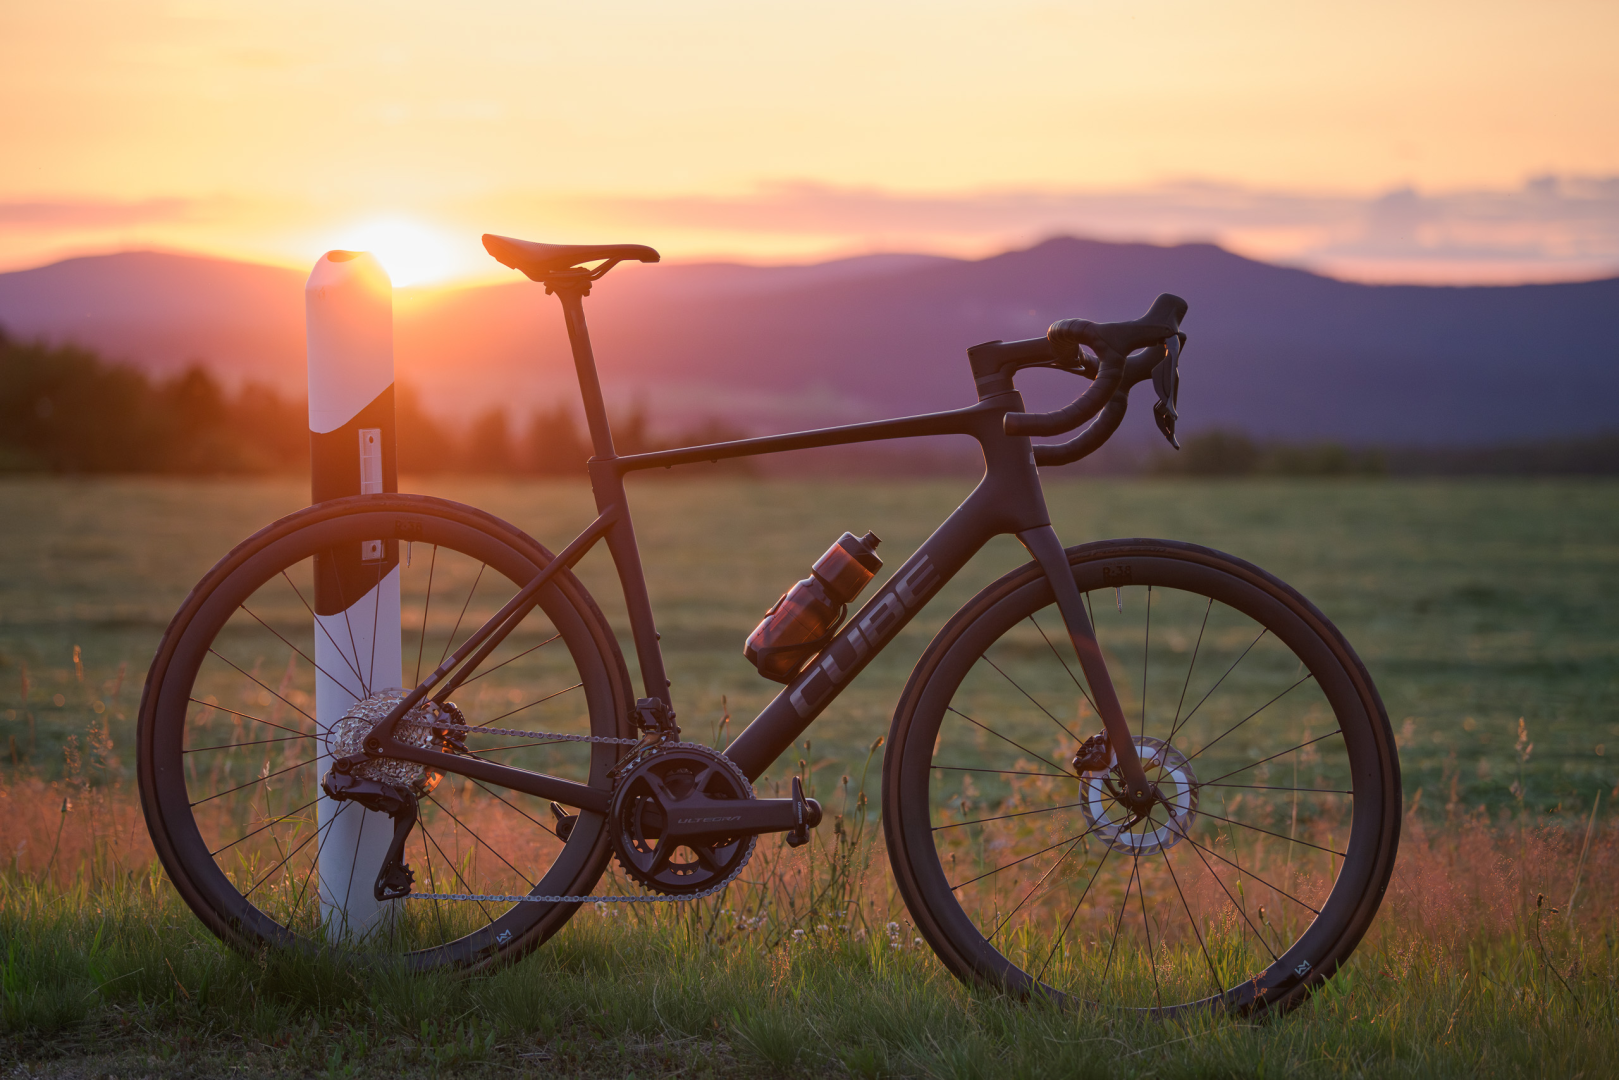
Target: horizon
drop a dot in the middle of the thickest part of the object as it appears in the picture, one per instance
(1432, 275)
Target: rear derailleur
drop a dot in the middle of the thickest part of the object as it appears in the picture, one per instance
(394, 879)
(389, 786)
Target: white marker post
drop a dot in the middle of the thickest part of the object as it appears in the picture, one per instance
(349, 310)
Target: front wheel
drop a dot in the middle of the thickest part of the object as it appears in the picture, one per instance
(1268, 854)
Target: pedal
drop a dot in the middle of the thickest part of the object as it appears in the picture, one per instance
(798, 835)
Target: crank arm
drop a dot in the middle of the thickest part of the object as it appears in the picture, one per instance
(700, 819)
(1042, 543)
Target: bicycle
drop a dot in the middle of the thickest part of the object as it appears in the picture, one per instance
(1136, 772)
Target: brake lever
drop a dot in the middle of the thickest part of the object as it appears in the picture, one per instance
(1166, 380)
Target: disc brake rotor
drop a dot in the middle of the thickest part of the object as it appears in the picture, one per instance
(1162, 827)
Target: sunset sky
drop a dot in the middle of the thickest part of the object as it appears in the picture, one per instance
(1386, 141)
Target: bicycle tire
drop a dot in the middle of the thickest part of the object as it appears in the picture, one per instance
(233, 682)
(973, 798)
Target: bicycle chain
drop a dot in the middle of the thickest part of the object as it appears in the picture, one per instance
(526, 898)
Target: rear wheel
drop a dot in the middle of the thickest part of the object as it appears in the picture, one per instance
(1255, 876)
(231, 753)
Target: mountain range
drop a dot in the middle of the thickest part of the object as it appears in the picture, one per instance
(1276, 351)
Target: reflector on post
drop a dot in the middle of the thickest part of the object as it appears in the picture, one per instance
(349, 315)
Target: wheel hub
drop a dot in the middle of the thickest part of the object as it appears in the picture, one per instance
(1112, 822)
(418, 728)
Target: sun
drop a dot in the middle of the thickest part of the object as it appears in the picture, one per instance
(413, 254)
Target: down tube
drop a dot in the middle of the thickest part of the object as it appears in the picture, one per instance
(863, 637)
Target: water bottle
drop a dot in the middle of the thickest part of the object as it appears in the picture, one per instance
(801, 623)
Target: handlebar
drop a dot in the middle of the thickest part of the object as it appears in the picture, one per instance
(1127, 353)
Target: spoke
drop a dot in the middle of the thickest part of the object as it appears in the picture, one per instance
(1041, 974)
(457, 627)
(236, 745)
(322, 627)
(1003, 817)
(1214, 974)
(1152, 960)
(1030, 696)
(1240, 909)
(1273, 757)
(531, 704)
(266, 689)
(290, 645)
(256, 780)
(1003, 772)
(1262, 632)
(1307, 677)
(1146, 641)
(427, 601)
(503, 663)
(1250, 873)
(249, 716)
(454, 869)
(516, 809)
(1267, 832)
(376, 619)
(1065, 667)
(326, 828)
(314, 864)
(274, 821)
(1267, 787)
(521, 876)
(1033, 889)
(354, 648)
(1124, 907)
(1026, 858)
(1196, 647)
(1003, 738)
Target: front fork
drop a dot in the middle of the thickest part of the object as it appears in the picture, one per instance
(1139, 794)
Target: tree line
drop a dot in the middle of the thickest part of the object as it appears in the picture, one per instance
(65, 409)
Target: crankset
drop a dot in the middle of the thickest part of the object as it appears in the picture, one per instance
(684, 820)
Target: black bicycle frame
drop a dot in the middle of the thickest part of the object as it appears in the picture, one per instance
(1008, 499)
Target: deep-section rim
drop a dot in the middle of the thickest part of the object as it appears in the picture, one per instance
(539, 921)
(1282, 989)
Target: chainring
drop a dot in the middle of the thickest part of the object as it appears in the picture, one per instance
(648, 790)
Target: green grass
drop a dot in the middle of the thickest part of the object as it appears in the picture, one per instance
(120, 979)
(1473, 604)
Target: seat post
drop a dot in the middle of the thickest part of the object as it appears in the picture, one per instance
(571, 291)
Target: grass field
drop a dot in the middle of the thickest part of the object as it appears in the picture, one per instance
(1473, 604)
(1484, 610)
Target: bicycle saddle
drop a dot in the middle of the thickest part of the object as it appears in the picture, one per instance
(538, 261)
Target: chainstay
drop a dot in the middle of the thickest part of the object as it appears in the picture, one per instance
(549, 736)
(527, 898)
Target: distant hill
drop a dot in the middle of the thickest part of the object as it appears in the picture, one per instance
(1281, 353)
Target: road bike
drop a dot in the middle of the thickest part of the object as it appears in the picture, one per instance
(1134, 772)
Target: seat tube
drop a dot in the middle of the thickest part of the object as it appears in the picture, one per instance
(572, 295)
